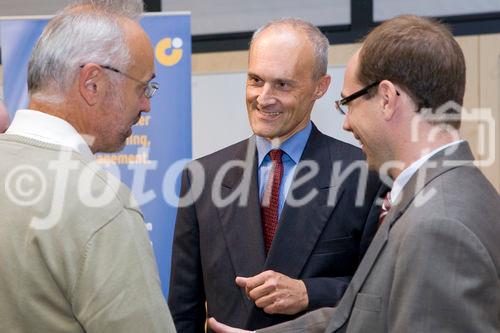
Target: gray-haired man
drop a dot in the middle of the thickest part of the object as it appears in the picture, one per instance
(74, 250)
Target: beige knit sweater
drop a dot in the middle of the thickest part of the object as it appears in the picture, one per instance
(74, 252)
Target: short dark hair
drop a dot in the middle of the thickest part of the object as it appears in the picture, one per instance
(419, 54)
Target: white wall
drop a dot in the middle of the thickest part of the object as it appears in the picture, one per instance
(218, 16)
(386, 9)
(31, 7)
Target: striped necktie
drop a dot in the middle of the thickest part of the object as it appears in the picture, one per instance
(270, 201)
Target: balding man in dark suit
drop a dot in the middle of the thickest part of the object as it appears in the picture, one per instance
(261, 242)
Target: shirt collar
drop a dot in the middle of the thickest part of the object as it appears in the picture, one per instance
(293, 146)
(407, 173)
(50, 129)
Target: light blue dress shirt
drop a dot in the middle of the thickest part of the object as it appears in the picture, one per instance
(293, 148)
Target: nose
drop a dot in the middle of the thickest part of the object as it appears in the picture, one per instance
(145, 104)
(346, 125)
(266, 96)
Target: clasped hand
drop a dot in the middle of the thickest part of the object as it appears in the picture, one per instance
(275, 293)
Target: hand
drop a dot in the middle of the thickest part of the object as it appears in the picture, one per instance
(275, 293)
(221, 328)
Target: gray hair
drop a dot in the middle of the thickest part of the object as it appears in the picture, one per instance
(316, 37)
(86, 31)
(132, 9)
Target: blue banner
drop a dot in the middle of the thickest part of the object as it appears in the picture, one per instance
(160, 142)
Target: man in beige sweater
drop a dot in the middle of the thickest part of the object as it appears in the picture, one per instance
(74, 252)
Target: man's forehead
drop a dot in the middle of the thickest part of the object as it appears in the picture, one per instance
(279, 68)
(141, 49)
(282, 37)
(350, 75)
(281, 51)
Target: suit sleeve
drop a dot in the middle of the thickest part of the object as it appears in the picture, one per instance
(187, 297)
(118, 288)
(325, 291)
(445, 281)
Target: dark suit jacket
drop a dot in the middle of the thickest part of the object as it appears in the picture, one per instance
(433, 265)
(319, 243)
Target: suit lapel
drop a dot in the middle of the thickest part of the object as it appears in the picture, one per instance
(241, 224)
(301, 226)
(443, 161)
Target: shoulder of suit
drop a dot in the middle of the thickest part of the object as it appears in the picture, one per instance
(236, 151)
(461, 197)
(341, 150)
(466, 193)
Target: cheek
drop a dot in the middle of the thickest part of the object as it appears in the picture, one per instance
(131, 104)
(296, 108)
(251, 95)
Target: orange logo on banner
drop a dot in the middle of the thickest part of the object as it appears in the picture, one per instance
(165, 45)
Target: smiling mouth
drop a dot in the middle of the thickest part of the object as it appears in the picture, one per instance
(268, 113)
(358, 139)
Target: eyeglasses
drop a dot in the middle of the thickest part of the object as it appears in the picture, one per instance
(342, 103)
(151, 87)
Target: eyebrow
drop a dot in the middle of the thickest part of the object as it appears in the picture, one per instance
(342, 95)
(291, 81)
(152, 77)
(250, 74)
(277, 79)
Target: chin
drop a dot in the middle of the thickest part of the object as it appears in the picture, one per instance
(119, 146)
(113, 147)
(264, 130)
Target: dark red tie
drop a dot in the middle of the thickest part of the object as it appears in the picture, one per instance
(270, 201)
(386, 206)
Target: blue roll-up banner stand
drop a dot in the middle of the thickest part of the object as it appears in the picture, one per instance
(161, 142)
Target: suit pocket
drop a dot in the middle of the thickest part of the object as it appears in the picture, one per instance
(368, 302)
(366, 315)
(336, 245)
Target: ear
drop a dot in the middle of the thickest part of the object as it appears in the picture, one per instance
(322, 86)
(90, 83)
(390, 98)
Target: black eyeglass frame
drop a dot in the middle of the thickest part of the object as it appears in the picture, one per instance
(344, 101)
(151, 86)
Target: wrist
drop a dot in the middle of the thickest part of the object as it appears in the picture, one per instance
(304, 299)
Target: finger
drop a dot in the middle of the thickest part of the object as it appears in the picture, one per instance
(215, 325)
(263, 290)
(272, 309)
(255, 281)
(241, 281)
(221, 328)
(265, 301)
